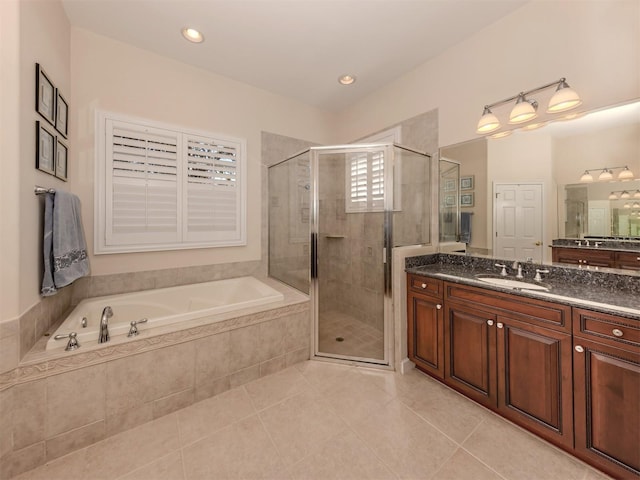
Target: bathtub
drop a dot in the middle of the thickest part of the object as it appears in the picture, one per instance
(163, 306)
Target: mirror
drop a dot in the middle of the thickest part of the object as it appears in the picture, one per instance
(553, 157)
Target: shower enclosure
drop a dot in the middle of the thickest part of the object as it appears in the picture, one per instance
(335, 213)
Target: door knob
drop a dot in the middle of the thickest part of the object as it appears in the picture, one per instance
(538, 243)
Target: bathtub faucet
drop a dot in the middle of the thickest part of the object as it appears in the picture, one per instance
(107, 313)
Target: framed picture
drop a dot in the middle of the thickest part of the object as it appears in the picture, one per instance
(45, 96)
(62, 114)
(466, 183)
(61, 160)
(449, 200)
(449, 185)
(45, 149)
(466, 199)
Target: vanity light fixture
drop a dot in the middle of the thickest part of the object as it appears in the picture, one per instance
(525, 109)
(506, 133)
(626, 205)
(346, 79)
(637, 194)
(606, 174)
(636, 205)
(625, 194)
(192, 35)
(613, 196)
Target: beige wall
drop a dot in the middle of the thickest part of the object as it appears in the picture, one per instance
(595, 45)
(113, 76)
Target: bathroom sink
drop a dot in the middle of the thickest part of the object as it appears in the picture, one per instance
(509, 283)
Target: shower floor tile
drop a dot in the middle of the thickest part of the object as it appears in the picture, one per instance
(319, 420)
(343, 334)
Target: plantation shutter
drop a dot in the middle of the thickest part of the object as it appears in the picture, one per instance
(213, 193)
(365, 182)
(142, 184)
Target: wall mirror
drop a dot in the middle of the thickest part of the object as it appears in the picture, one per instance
(527, 185)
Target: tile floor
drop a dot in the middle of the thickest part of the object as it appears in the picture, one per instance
(324, 421)
(359, 339)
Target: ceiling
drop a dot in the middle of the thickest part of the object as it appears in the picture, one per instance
(295, 48)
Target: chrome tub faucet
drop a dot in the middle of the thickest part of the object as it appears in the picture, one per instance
(107, 313)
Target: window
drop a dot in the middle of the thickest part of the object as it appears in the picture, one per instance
(365, 175)
(162, 187)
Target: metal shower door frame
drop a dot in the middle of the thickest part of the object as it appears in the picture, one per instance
(388, 342)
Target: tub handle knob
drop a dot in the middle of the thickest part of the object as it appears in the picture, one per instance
(72, 344)
(133, 331)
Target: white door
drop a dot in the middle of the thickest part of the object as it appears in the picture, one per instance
(518, 221)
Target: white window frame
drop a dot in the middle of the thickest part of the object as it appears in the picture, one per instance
(104, 242)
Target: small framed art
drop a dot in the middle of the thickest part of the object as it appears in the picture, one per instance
(449, 185)
(449, 200)
(61, 160)
(62, 114)
(45, 96)
(466, 199)
(45, 149)
(466, 183)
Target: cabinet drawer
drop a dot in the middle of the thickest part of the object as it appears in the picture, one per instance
(629, 260)
(536, 312)
(592, 257)
(610, 329)
(424, 285)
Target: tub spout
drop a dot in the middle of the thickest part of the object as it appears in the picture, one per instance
(107, 313)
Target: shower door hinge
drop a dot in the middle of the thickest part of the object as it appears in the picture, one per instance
(384, 254)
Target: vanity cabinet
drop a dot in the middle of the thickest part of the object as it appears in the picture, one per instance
(513, 355)
(425, 334)
(597, 258)
(568, 374)
(606, 370)
(577, 256)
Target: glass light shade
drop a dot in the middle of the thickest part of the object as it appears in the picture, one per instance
(506, 133)
(488, 122)
(636, 205)
(564, 99)
(346, 79)
(523, 111)
(192, 35)
(613, 196)
(626, 205)
(586, 177)
(605, 176)
(626, 174)
(637, 194)
(625, 195)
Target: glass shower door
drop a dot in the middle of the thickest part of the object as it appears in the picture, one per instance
(350, 191)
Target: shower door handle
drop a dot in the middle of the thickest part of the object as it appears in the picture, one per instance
(314, 255)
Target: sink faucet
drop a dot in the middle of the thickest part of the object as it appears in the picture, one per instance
(107, 313)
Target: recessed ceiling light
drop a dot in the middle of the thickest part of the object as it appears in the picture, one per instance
(192, 35)
(346, 79)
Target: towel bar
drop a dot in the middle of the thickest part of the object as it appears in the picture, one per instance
(41, 190)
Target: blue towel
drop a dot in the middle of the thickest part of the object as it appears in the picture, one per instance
(64, 246)
(465, 227)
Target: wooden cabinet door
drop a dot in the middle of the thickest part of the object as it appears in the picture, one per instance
(425, 334)
(577, 256)
(607, 406)
(628, 260)
(470, 352)
(534, 379)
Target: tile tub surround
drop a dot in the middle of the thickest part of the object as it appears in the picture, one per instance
(56, 403)
(605, 290)
(318, 421)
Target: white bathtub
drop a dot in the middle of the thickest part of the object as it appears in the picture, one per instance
(164, 306)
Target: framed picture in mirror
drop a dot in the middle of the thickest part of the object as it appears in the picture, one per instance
(466, 183)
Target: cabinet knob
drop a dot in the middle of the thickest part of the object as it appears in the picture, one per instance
(424, 285)
(617, 332)
(638, 258)
(579, 349)
(438, 306)
(499, 325)
(489, 322)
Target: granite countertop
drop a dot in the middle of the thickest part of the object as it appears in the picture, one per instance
(604, 244)
(606, 292)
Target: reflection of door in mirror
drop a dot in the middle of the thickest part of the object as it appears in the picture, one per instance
(449, 185)
(518, 210)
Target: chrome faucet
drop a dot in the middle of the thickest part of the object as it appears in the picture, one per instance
(107, 313)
